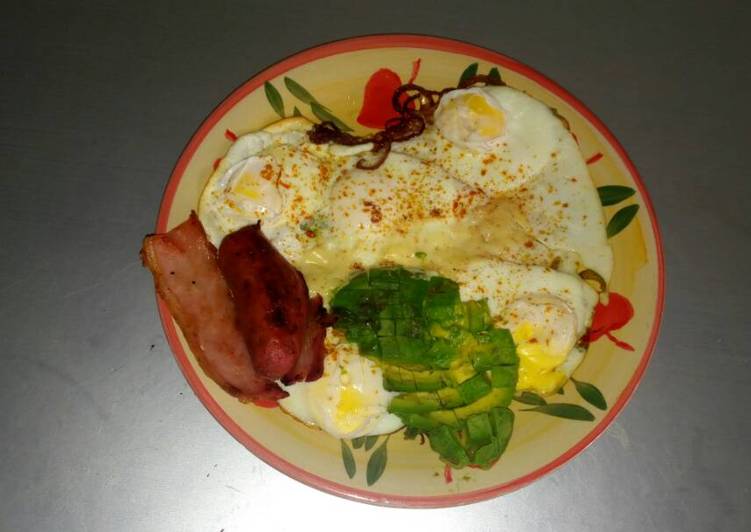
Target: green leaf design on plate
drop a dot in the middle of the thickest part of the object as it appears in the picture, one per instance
(298, 91)
(530, 398)
(325, 115)
(495, 76)
(296, 112)
(377, 464)
(349, 460)
(612, 194)
(357, 442)
(621, 219)
(370, 441)
(470, 71)
(564, 410)
(274, 98)
(591, 394)
(322, 112)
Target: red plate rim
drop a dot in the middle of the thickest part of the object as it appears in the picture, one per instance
(398, 41)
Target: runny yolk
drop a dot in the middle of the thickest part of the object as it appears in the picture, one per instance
(349, 411)
(247, 186)
(489, 119)
(536, 362)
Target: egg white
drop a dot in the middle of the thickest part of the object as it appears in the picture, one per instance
(547, 312)
(275, 176)
(503, 282)
(562, 209)
(348, 401)
(498, 163)
(535, 162)
(372, 209)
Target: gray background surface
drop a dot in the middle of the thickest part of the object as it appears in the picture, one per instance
(98, 429)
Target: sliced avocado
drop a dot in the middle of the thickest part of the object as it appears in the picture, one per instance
(496, 348)
(487, 455)
(348, 298)
(411, 327)
(412, 350)
(479, 429)
(419, 422)
(472, 389)
(441, 353)
(445, 417)
(427, 380)
(359, 281)
(414, 403)
(478, 315)
(396, 379)
(390, 349)
(455, 417)
(412, 289)
(453, 370)
(403, 350)
(441, 313)
(399, 379)
(449, 398)
(503, 376)
(441, 292)
(384, 278)
(410, 433)
(439, 331)
(366, 339)
(445, 442)
(502, 420)
(386, 327)
(461, 373)
(396, 310)
(496, 397)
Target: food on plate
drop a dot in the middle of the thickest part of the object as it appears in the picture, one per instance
(246, 329)
(452, 249)
(273, 176)
(546, 311)
(455, 369)
(282, 325)
(349, 400)
(510, 145)
(189, 281)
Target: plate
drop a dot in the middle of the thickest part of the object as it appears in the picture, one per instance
(333, 77)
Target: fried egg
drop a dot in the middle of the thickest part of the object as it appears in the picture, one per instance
(382, 216)
(496, 138)
(412, 213)
(511, 145)
(349, 400)
(274, 176)
(562, 210)
(547, 312)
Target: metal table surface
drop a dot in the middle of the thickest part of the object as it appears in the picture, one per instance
(100, 430)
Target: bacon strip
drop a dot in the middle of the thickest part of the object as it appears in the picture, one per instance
(188, 279)
(283, 328)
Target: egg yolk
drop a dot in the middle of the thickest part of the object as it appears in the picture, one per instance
(470, 118)
(490, 120)
(536, 361)
(349, 414)
(246, 186)
(253, 189)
